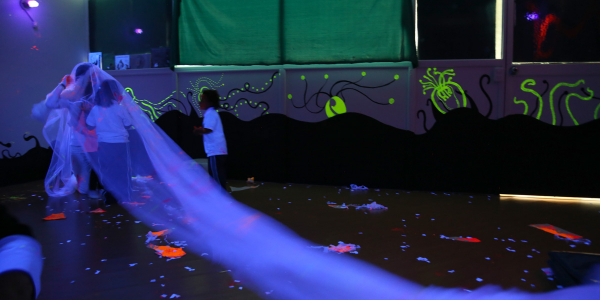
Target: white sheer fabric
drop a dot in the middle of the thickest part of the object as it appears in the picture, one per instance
(158, 183)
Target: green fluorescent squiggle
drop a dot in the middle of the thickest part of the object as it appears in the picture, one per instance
(552, 96)
(524, 89)
(442, 89)
(152, 107)
(522, 101)
(582, 98)
(596, 112)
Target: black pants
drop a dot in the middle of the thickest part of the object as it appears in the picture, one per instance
(217, 168)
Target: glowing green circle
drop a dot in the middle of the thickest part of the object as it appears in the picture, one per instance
(289, 96)
(392, 100)
(326, 76)
(302, 77)
(364, 73)
(337, 109)
(396, 76)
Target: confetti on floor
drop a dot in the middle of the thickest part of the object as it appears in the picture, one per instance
(51, 217)
(557, 231)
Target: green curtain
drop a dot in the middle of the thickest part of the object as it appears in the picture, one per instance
(236, 32)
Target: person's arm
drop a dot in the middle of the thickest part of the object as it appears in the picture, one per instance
(208, 123)
(53, 98)
(201, 130)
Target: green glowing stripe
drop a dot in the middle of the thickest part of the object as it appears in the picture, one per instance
(147, 111)
(552, 96)
(522, 101)
(523, 88)
(152, 110)
(582, 98)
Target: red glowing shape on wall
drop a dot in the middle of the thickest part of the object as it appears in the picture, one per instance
(541, 31)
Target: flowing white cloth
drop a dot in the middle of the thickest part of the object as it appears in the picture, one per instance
(168, 187)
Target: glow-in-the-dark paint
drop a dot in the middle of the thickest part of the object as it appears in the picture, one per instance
(338, 107)
(580, 97)
(552, 96)
(540, 101)
(151, 107)
(522, 102)
(442, 88)
(532, 82)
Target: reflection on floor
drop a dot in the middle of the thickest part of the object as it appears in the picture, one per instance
(442, 239)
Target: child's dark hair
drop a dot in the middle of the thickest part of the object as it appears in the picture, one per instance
(211, 97)
(81, 70)
(106, 94)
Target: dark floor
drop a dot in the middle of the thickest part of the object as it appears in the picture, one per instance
(89, 256)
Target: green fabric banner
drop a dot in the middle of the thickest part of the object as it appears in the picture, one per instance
(235, 32)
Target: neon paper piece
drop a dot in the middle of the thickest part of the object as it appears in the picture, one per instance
(371, 206)
(343, 247)
(557, 231)
(160, 233)
(468, 239)
(97, 211)
(167, 251)
(343, 206)
(442, 88)
(55, 217)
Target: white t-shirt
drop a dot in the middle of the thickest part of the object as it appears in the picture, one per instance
(110, 123)
(214, 142)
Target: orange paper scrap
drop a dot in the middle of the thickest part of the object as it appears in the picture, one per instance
(162, 232)
(557, 231)
(97, 211)
(167, 251)
(55, 217)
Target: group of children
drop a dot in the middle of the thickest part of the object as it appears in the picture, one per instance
(99, 133)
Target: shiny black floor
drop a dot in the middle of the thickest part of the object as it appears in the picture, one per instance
(103, 256)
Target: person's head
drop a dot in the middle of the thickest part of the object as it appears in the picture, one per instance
(83, 80)
(209, 98)
(108, 92)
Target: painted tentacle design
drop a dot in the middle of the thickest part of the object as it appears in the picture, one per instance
(552, 97)
(248, 88)
(335, 100)
(591, 94)
(597, 107)
(485, 93)
(542, 97)
(154, 110)
(530, 82)
(442, 88)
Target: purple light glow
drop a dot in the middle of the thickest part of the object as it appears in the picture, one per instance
(531, 16)
(33, 3)
(138, 31)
